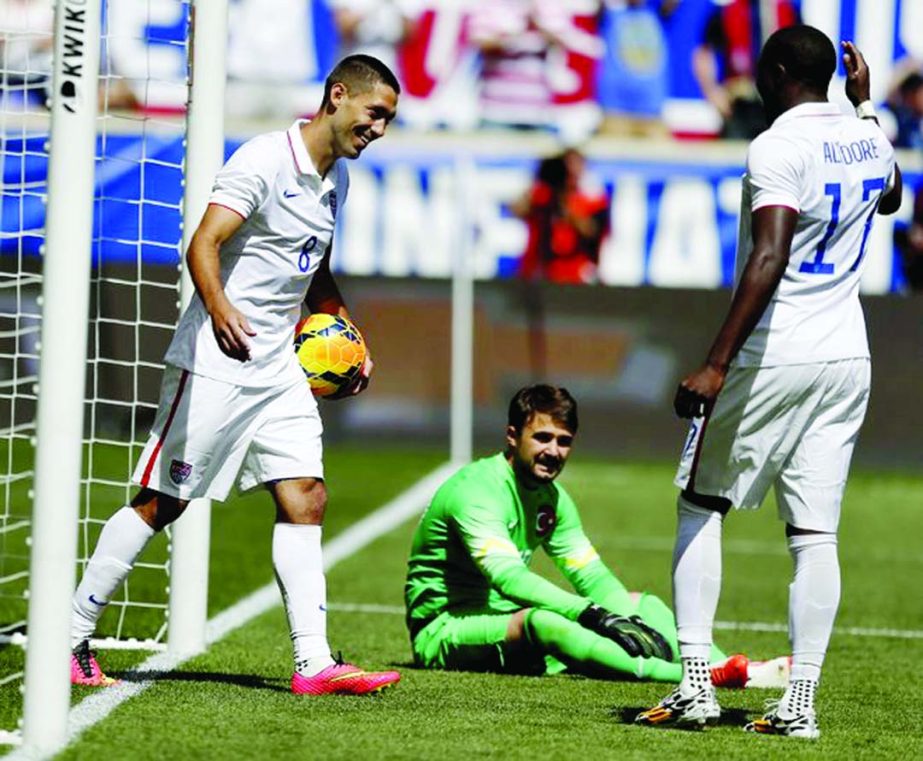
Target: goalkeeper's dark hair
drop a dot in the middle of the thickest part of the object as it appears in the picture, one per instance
(806, 53)
(551, 400)
(359, 73)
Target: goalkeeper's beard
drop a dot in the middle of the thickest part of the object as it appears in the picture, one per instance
(542, 470)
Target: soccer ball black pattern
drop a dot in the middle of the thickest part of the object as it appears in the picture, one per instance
(331, 352)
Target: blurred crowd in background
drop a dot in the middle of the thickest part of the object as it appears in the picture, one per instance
(647, 68)
(657, 69)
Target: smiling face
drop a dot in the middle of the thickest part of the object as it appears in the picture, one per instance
(539, 451)
(360, 118)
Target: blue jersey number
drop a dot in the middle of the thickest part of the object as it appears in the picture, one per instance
(868, 187)
(304, 258)
(817, 265)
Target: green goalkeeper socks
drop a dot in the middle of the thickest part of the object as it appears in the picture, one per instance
(585, 652)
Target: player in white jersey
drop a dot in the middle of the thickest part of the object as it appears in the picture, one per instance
(234, 403)
(783, 391)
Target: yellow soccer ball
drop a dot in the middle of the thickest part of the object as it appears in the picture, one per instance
(331, 352)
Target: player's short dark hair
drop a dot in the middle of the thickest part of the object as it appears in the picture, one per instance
(807, 54)
(550, 400)
(360, 73)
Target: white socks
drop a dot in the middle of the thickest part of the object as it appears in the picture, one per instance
(297, 559)
(122, 539)
(814, 596)
(813, 602)
(696, 577)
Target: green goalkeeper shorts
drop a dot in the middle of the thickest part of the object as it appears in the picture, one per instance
(475, 641)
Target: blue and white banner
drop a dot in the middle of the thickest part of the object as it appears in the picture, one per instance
(673, 219)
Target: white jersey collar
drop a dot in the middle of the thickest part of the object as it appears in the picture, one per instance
(300, 154)
(808, 110)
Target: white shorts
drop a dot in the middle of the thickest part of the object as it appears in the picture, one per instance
(793, 427)
(208, 433)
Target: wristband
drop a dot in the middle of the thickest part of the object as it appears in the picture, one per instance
(865, 110)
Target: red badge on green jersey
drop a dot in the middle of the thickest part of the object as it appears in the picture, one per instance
(545, 520)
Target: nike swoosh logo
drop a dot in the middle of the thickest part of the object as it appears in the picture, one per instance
(351, 675)
(323, 608)
(97, 602)
(289, 193)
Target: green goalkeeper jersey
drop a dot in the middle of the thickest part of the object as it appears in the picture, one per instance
(473, 545)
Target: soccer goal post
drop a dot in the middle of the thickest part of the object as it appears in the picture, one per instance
(461, 395)
(59, 422)
(204, 157)
(126, 188)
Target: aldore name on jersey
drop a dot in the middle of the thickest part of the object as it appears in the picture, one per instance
(852, 153)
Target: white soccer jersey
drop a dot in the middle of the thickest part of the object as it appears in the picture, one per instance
(832, 169)
(267, 265)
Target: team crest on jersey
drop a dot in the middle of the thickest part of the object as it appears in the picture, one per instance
(179, 471)
(545, 520)
(333, 204)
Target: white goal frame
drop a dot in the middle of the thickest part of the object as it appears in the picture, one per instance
(60, 412)
(188, 607)
(63, 352)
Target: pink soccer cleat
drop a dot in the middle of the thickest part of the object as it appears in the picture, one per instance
(343, 679)
(731, 673)
(85, 670)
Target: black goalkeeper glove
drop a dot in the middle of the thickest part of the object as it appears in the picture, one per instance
(630, 633)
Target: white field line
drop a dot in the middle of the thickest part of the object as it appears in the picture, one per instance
(850, 631)
(98, 706)
(728, 546)
(752, 626)
(750, 547)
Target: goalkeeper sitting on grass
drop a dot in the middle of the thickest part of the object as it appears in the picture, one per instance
(473, 604)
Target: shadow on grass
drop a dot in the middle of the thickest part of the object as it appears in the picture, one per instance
(498, 671)
(732, 717)
(241, 680)
(409, 665)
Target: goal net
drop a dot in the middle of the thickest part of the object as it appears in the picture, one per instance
(25, 39)
(136, 253)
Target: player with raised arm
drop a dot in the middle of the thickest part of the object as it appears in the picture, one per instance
(782, 394)
(474, 604)
(234, 403)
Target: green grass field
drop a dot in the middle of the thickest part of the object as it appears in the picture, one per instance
(234, 702)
